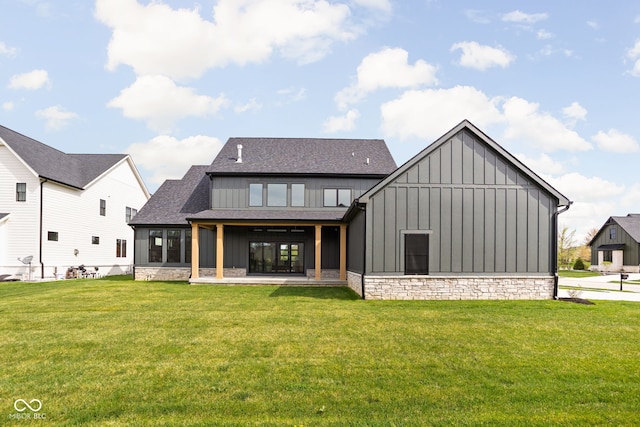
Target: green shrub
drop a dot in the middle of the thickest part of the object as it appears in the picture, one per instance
(579, 264)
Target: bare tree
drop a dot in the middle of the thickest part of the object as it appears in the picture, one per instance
(566, 249)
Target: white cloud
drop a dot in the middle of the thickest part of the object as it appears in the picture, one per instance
(477, 16)
(56, 117)
(32, 80)
(160, 102)
(6, 50)
(575, 111)
(520, 17)
(481, 57)
(634, 55)
(252, 105)
(593, 24)
(8, 106)
(543, 131)
(432, 112)
(543, 165)
(180, 43)
(341, 123)
(544, 35)
(616, 142)
(383, 5)
(387, 68)
(169, 158)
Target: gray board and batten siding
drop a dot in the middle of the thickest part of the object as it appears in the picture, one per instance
(484, 212)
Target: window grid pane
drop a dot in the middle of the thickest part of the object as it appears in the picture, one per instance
(255, 194)
(330, 197)
(276, 194)
(344, 197)
(155, 245)
(297, 194)
(174, 247)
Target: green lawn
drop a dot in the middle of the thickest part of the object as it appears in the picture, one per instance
(576, 273)
(117, 352)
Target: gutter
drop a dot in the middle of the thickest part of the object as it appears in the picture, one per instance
(555, 252)
(364, 247)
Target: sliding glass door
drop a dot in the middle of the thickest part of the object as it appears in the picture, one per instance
(276, 257)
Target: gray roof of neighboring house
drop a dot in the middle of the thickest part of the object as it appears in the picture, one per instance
(176, 200)
(2, 215)
(76, 170)
(630, 224)
(304, 156)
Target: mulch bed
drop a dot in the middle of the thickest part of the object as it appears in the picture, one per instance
(577, 301)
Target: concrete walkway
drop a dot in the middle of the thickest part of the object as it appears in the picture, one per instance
(600, 288)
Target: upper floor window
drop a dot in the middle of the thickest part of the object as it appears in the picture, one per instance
(337, 197)
(276, 194)
(95, 240)
(130, 213)
(297, 194)
(255, 194)
(52, 236)
(21, 192)
(613, 233)
(103, 207)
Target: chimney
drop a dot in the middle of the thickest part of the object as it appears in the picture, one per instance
(239, 159)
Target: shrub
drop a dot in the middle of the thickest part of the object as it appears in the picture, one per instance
(579, 264)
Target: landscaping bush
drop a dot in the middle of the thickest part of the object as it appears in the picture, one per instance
(579, 264)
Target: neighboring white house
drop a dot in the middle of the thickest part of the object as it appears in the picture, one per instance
(65, 210)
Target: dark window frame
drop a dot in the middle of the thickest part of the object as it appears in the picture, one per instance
(155, 249)
(103, 207)
(21, 192)
(52, 236)
(95, 240)
(416, 253)
(613, 233)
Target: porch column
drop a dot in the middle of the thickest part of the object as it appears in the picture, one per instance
(219, 251)
(318, 252)
(195, 251)
(343, 251)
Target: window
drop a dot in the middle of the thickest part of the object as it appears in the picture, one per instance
(95, 240)
(607, 256)
(613, 233)
(174, 247)
(255, 194)
(121, 248)
(21, 192)
(103, 207)
(276, 194)
(187, 247)
(52, 236)
(155, 245)
(297, 194)
(130, 213)
(416, 253)
(337, 197)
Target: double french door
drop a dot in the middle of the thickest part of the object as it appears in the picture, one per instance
(276, 257)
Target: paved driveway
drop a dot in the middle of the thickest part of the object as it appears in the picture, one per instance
(600, 288)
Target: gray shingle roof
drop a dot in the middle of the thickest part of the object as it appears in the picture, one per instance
(630, 224)
(76, 170)
(176, 200)
(305, 156)
(2, 215)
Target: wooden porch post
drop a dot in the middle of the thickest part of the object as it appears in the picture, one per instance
(318, 252)
(343, 251)
(219, 251)
(195, 251)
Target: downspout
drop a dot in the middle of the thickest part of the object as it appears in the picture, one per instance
(42, 181)
(364, 249)
(555, 252)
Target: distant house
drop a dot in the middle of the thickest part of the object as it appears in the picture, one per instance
(463, 219)
(616, 246)
(61, 210)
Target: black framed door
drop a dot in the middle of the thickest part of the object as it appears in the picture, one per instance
(276, 257)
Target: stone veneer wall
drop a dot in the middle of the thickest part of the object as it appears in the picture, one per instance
(458, 287)
(182, 273)
(354, 281)
(326, 273)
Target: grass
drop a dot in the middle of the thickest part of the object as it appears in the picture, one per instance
(577, 273)
(117, 352)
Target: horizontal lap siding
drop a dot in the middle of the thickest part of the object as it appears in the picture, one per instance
(483, 215)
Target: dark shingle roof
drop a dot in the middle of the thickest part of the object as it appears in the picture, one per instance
(176, 200)
(630, 224)
(305, 156)
(76, 170)
(2, 215)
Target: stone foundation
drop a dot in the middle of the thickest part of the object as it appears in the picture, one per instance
(458, 287)
(326, 274)
(354, 282)
(182, 273)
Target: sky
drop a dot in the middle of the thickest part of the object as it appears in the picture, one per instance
(556, 83)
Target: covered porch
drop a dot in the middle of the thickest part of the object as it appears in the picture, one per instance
(271, 252)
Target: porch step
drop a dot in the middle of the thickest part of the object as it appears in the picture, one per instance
(267, 280)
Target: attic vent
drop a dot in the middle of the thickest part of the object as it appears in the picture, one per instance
(239, 159)
(367, 160)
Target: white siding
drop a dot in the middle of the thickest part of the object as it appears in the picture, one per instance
(20, 234)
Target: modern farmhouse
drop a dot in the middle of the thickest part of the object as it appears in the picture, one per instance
(60, 211)
(463, 219)
(616, 246)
